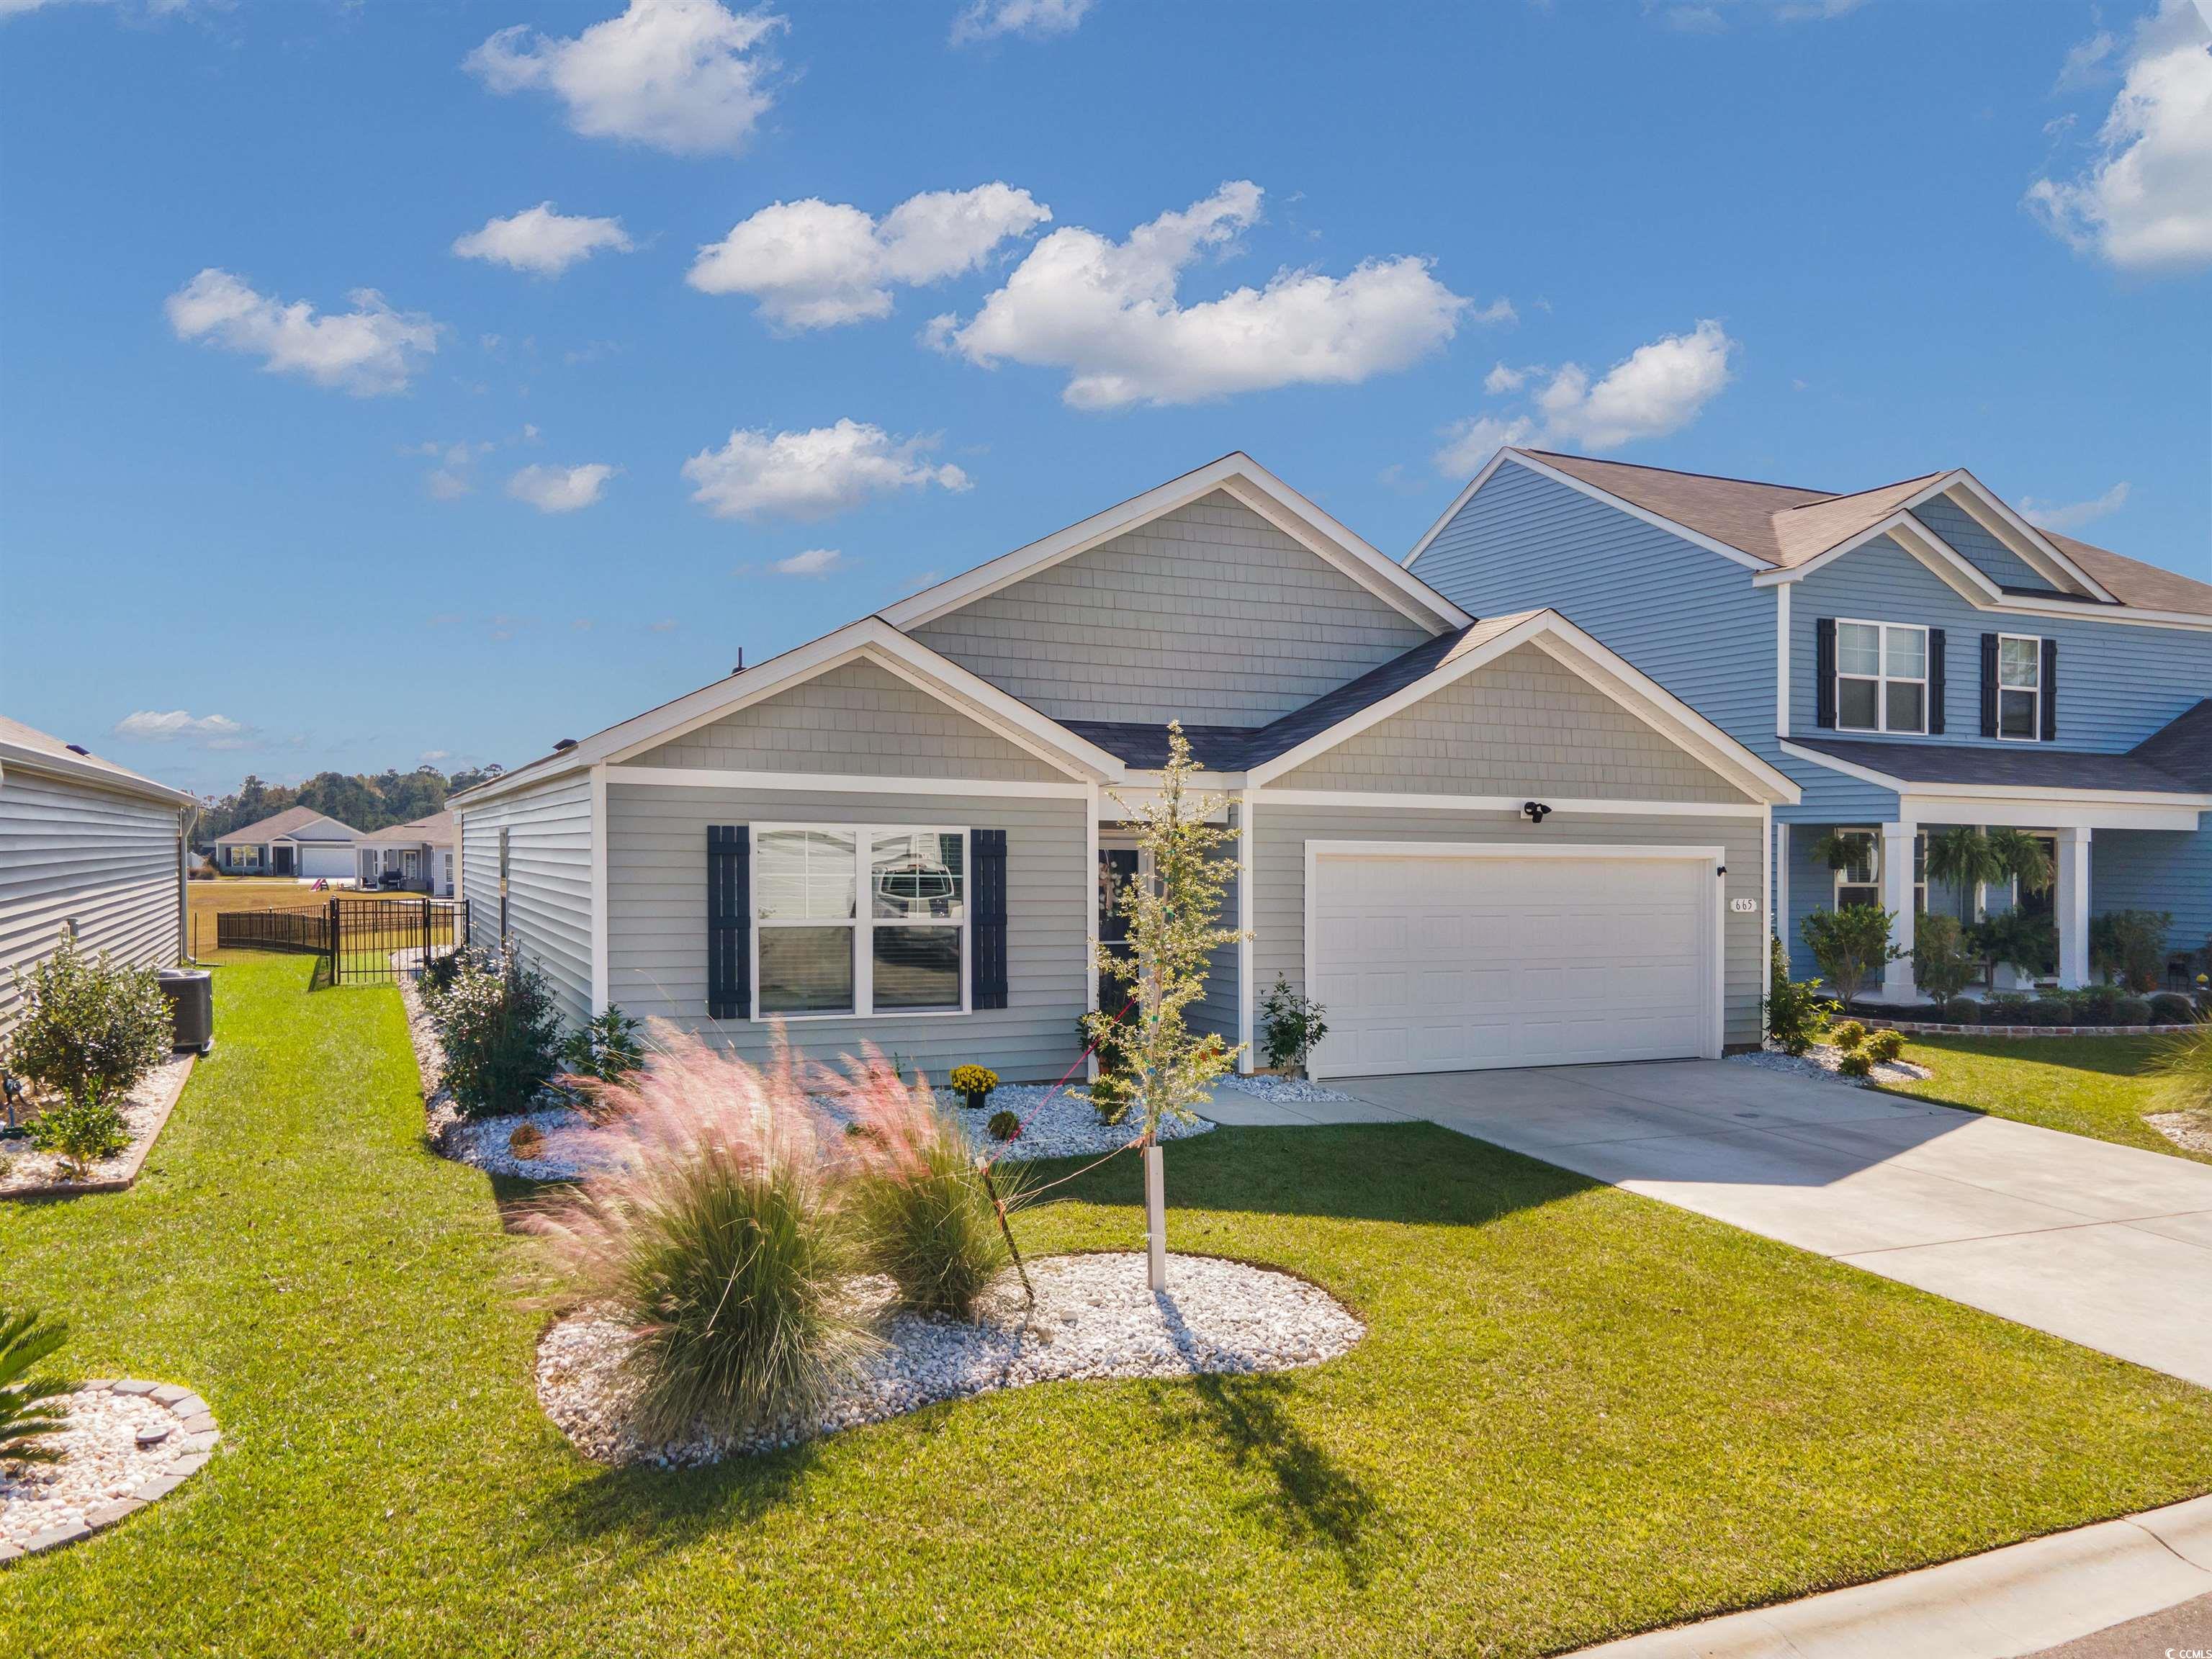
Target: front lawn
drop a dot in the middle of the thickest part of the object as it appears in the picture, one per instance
(2092, 1086)
(1576, 1414)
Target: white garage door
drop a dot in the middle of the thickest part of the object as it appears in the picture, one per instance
(1429, 962)
(336, 860)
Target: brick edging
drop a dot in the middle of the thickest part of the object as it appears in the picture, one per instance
(194, 1446)
(1928, 1028)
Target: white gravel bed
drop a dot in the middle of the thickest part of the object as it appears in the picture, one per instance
(24, 1169)
(102, 1464)
(1093, 1318)
(1822, 1063)
(1063, 1125)
(1281, 1088)
(2192, 1130)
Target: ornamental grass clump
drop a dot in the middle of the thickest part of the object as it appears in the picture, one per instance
(716, 1238)
(2185, 1061)
(923, 1215)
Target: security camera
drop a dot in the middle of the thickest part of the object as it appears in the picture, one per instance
(1534, 810)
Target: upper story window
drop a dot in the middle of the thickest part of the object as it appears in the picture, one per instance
(2019, 687)
(1881, 677)
(859, 919)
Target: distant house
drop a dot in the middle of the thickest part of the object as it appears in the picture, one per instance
(298, 842)
(89, 848)
(419, 854)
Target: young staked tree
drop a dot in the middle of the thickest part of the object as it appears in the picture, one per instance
(1173, 930)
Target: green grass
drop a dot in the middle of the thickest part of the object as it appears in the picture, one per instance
(2092, 1086)
(1576, 1414)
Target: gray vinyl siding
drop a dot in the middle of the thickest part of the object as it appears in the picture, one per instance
(857, 717)
(105, 860)
(1208, 614)
(1216, 1011)
(2118, 684)
(1281, 832)
(657, 922)
(1521, 724)
(549, 882)
(1981, 549)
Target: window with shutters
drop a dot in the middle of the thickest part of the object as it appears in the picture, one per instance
(1881, 677)
(859, 919)
(2019, 687)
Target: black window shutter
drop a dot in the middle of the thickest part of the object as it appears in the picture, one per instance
(2050, 692)
(729, 921)
(1824, 670)
(987, 963)
(1935, 681)
(1989, 685)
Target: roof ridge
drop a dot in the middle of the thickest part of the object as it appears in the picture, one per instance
(1681, 472)
(1871, 489)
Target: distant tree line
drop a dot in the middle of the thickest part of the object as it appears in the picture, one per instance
(365, 802)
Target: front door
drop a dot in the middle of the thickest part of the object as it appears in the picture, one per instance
(1117, 868)
(281, 859)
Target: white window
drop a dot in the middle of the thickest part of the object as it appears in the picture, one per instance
(2019, 687)
(1859, 881)
(1881, 677)
(859, 919)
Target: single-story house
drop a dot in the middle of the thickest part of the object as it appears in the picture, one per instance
(420, 854)
(86, 847)
(299, 841)
(1480, 842)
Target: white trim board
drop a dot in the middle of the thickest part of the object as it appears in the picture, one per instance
(678, 777)
(1365, 799)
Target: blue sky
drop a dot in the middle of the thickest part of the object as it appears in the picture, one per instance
(287, 482)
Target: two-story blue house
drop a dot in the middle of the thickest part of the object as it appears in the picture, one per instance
(1914, 657)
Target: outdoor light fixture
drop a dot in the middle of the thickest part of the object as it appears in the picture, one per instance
(1534, 810)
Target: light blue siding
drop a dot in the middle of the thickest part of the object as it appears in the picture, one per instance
(1982, 550)
(2116, 683)
(2156, 870)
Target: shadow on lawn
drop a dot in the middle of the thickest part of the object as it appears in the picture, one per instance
(656, 1511)
(2108, 1057)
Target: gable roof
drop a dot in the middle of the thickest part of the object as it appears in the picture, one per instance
(28, 746)
(1787, 527)
(2183, 747)
(289, 825)
(436, 830)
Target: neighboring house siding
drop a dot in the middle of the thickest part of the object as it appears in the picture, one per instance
(1981, 549)
(1282, 833)
(549, 882)
(2117, 683)
(2156, 870)
(104, 859)
(1522, 723)
(657, 922)
(1686, 616)
(857, 713)
(1208, 614)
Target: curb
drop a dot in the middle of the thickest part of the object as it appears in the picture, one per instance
(2020, 1598)
(196, 1437)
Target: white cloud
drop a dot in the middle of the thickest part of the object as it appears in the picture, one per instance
(2073, 515)
(2145, 203)
(1656, 389)
(812, 475)
(432, 756)
(814, 561)
(178, 725)
(816, 264)
(561, 489)
(1107, 312)
(541, 241)
(367, 351)
(985, 19)
(688, 76)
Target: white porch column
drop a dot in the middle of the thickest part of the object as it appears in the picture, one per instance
(2073, 908)
(1896, 898)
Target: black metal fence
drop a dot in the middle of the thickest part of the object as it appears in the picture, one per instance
(273, 930)
(366, 934)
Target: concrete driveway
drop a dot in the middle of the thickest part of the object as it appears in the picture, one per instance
(2104, 1245)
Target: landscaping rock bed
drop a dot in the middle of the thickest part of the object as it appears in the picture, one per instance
(1822, 1060)
(2190, 1130)
(1093, 1318)
(126, 1444)
(25, 1171)
(1281, 1088)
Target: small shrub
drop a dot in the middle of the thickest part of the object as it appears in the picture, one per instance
(2129, 946)
(2006, 1009)
(90, 1027)
(2095, 1003)
(1291, 1024)
(604, 1048)
(1963, 1010)
(1942, 965)
(2015, 939)
(1852, 945)
(28, 1411)
(440, 973)
(922, 1216)
(1856, 1063)
(1847, 1034)
(80, 1132)
(715, 1237)
(1004, 1125)
(528, 1142)
(975, 1083)
(2172, 1008)
(1796, 1012)
(1882, 1047)
(2048, 1011)
(499, 1029)
(2131, 1011)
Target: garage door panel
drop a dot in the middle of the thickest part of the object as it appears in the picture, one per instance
(1430, 963)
